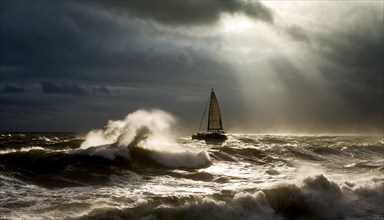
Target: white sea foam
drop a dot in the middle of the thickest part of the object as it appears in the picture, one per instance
(315, 180)
(148, 130)
(314, 198)
(23, 149)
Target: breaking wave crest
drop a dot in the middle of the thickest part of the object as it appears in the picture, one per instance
(123, 172)
(314, 198)
(143, 136)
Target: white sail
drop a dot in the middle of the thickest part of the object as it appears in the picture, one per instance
(214, 117)
(215, 126)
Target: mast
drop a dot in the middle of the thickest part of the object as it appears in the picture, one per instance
(214, 116)
(205, 109)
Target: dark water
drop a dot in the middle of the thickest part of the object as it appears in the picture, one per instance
(53, 176)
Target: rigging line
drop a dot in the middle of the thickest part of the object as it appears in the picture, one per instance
(204, 114)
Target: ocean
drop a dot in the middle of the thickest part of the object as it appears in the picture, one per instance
(136, 168)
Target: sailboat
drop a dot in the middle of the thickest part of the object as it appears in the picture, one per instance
(215, 131)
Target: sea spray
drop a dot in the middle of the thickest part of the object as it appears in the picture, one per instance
(264, 178)
(144, 135)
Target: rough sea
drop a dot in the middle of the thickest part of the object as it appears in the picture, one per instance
(136, 168)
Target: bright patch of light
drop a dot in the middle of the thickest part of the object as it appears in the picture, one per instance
(236, 24)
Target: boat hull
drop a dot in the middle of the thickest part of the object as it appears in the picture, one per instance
(209, 136)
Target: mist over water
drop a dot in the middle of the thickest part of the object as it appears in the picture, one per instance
(137, 168)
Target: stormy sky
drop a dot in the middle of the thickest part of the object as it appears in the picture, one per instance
(276, 66)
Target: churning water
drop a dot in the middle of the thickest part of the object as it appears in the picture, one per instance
(136, 169)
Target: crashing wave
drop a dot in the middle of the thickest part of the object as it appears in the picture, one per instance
(143, 135)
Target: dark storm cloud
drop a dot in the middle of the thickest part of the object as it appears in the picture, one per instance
(66, 41)
(298, 33)
(350, 60)
(352, 52)
(357, 68)
(24, 102)
(12, 89)
(184, 57)
(73, 89)
(82, 63)
(100, 90)
(188, 12)
(48, 87)
(68, 53)
(63, 41)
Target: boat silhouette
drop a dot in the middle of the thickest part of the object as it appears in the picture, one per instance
(215, 131)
